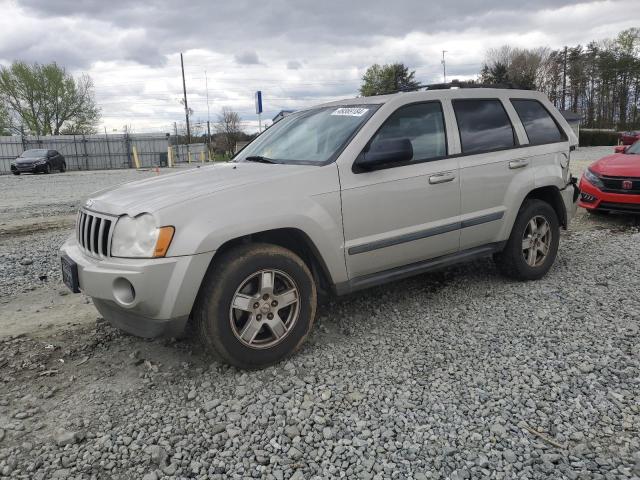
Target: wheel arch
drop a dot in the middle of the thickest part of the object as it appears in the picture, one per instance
(551, 195)
(292, 239)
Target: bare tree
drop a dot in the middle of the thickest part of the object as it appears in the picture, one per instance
(229, 126)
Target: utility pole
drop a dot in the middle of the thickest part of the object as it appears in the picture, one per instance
(564, 79)
(186, 106)
(206, 82)
(444, 68)
(175, 130)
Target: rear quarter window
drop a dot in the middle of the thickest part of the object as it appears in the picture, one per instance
(537, 121)
(484, 125)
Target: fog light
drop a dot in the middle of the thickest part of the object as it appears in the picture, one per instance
(123, 291)
(587, 198)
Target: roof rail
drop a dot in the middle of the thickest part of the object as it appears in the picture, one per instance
(469, 84)
(457, 84)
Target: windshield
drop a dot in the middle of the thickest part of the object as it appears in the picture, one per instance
(314, 136)
(634, 149)
(34, 153)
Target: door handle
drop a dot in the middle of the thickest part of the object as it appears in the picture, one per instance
(442, 178)
(513, 164)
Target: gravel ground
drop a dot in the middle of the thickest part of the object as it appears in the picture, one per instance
(28, 196)
(459, 374)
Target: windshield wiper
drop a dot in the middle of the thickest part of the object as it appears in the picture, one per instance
(259, 159)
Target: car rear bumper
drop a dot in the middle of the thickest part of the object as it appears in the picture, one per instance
(592, 198)
(157, 296)
(570, 194)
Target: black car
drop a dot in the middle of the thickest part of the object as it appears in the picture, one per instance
(38, 160)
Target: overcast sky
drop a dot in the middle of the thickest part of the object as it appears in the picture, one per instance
(297, 52)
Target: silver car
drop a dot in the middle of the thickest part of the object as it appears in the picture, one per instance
(329, 200)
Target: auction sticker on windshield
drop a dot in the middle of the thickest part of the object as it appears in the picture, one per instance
(351, 112)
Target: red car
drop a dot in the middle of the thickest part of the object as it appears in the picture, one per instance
(629, 138)
(613, 182)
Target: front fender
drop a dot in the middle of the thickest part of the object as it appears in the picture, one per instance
(309, 203)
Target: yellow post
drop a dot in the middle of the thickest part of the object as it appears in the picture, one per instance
(135, 157)
(189, 156)
(202, 157)
(169, 157)
(209, 154)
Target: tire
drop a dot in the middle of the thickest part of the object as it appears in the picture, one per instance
(520, 263)
(47, 168)
(15, 172)
(243, 337)
(63, 167)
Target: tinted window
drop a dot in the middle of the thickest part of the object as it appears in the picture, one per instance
(483, 125)
(538, 123)
(422, 124)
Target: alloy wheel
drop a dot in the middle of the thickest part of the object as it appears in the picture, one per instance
(264, 308)
(536, 241)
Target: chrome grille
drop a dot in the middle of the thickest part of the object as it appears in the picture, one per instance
(94, 232)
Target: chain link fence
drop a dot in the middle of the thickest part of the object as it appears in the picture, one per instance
(93, 152)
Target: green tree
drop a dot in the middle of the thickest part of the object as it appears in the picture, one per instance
(383, 79)
(4, 121)
(47, 100)
(495, 74)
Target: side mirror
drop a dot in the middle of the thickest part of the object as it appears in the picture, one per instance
(385, 152)
(620, 148)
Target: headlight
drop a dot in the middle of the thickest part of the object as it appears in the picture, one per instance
(42, 161)
(140, 237)
(593, 178)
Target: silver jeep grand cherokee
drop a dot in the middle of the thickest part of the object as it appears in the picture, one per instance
(334, 198)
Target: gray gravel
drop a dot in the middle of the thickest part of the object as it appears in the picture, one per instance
(27, 262)
(28, 196)
(459, 374)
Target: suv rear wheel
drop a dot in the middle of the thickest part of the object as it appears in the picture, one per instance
(256, 305)
(533, 244)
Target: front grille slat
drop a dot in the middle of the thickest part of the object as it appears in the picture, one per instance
(85, 232)
(100, 239)
(94, 232)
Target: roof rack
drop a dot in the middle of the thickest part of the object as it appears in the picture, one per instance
(469, 84)
(458, 84)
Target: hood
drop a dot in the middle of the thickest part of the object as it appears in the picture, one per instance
(155, 193)
(618, 165)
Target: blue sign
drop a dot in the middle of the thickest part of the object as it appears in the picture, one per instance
(259, 102)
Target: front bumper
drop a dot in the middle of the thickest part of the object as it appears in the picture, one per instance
(164, 289)
(28, 168)
(592, 198)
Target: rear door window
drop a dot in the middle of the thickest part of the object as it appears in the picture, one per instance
(484, 125)
(538, 122)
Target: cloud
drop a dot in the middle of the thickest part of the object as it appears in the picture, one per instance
(247, 58)
(131, 49)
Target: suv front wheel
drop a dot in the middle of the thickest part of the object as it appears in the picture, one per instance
(533, 244)
(256, 305)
